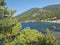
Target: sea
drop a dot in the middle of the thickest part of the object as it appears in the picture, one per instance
(41, 26)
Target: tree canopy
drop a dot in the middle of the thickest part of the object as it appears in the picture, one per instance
(9, 26)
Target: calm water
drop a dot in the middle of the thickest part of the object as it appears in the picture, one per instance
(41, 26)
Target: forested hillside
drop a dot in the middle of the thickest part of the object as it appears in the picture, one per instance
(55, 9)
(47, 13)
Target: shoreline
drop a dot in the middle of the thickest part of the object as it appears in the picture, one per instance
(44, 21)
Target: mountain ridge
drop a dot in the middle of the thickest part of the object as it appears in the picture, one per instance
(40, 14)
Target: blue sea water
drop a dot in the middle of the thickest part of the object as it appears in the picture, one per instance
(41, 26)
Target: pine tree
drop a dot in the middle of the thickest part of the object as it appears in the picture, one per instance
(9, 26)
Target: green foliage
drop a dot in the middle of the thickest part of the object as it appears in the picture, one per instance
(33, 37)
(50, 38)
(11, 12)
(47, 30)
(1, 35)
(29, 37)
(9, 26)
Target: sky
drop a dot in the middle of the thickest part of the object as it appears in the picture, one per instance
(23, 5)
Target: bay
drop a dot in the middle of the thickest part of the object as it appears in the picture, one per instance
(41, 26)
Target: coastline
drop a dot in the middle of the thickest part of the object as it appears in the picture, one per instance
(57, 21)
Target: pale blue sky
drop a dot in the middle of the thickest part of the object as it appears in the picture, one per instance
(23, 5)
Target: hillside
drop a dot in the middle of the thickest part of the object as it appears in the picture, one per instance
(47, 13)
(55, 9)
